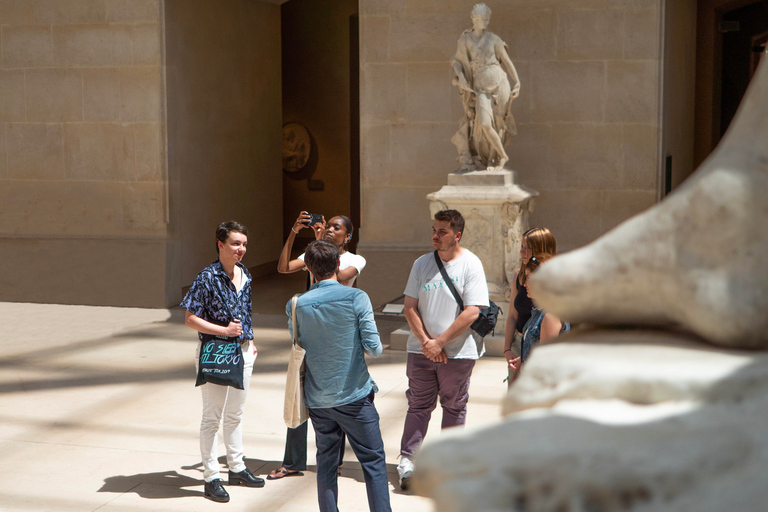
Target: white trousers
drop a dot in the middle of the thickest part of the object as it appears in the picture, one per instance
(227, 403)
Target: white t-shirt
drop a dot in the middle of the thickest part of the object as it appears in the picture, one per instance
(347, 260)
(438, 308)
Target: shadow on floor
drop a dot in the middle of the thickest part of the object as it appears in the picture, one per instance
(155, 486)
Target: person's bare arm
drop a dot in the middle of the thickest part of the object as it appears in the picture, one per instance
(284, 264)
(347, 274)
(503, 56)
(411, 312)
(416, 324)
(431, 347)
(509, 330)
(550, 327)
(233, 330)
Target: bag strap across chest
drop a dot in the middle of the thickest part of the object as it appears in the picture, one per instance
(448, 281)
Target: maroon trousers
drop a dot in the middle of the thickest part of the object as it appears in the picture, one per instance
(427, 381)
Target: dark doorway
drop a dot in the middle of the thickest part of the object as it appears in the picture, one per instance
(354, 126)
(745, 31)
(320, 89)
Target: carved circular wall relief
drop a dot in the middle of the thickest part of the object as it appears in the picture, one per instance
(297, 146)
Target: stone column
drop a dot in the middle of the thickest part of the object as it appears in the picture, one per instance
(496, 210)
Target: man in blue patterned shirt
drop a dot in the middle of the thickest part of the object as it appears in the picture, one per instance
(336, 328)
(219, 303)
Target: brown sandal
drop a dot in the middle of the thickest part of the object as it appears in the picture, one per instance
(277, 474)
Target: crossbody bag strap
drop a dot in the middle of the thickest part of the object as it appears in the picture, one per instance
(449, 282)
(295, 325)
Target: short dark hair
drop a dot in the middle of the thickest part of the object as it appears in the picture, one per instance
(348, 226)
(225, 228)
(452, 216)
(322, 258)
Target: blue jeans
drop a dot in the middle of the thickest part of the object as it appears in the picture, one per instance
(360, 422)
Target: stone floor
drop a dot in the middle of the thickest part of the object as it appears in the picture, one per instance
(98, 411)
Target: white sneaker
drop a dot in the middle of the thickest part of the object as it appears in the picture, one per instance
(405, 471)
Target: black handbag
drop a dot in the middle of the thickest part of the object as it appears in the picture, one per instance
(486, 320)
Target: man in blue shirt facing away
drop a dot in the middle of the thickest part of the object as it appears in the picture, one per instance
(336, 327)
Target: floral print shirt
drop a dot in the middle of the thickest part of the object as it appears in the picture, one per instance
(213, 297)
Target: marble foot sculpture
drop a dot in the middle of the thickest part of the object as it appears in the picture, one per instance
(698, 259)
(597, 426)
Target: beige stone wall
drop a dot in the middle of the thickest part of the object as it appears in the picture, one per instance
(679, 87)
(89, 206)
(588, 112)
(82, 161)
(224, 127)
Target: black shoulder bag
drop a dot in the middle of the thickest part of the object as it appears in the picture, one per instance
(486, 320)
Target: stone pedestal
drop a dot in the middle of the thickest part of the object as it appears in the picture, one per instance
(495, 210)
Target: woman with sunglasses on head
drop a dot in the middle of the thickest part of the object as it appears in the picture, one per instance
(537, 242)
(542, 326)
(339, 231)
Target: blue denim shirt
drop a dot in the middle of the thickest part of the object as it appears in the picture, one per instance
(213, 297)
(532, 332)
(335, 326)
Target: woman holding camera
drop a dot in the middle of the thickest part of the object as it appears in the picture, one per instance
(338, 231)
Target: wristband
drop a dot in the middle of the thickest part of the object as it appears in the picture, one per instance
(294, 230)
(508, 350)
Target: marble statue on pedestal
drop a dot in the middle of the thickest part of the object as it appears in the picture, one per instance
(479, 66)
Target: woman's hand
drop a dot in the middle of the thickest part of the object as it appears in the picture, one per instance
(510, 356)
(320, 230)
(301, 222)
(514, 363)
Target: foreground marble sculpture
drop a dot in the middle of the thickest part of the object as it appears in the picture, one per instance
(488, 125)
(615, 421)
(698, 259)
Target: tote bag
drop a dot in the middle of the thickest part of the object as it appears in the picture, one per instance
(294, 409)
(221, 362)
(221, 359)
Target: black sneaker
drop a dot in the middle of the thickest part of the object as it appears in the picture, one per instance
(245, 478)
(214, 491)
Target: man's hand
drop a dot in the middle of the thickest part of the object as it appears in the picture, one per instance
(234, 329)
(434, 351)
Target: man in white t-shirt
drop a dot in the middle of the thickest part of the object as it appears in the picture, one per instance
(442, 349)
